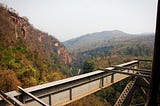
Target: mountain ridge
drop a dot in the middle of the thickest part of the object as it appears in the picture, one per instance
(98, 39)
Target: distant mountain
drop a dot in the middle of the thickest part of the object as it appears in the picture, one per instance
(110, 43)
(137, 46)
(34, 56)
(93, 41)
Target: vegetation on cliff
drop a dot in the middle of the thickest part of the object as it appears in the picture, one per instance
(28, 56)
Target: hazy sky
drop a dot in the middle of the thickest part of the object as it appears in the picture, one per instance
(67, 19)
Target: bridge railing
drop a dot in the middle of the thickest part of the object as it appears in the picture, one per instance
(70, 89)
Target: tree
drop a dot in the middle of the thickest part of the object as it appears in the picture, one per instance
(8, 80)
(89, 65)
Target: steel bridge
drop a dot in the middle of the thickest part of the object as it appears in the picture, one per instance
(71, 89)
(68, 90)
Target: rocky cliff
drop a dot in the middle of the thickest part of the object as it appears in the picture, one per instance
(29, 52)
(36, 40)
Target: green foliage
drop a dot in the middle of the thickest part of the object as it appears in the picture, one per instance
(9, 60)
(138, 50)
(64, 69)
(108, 94)
(146, 65)
(54, 76)
(111, 93)
(74, 70)
(138, 98)
(21, 49)
(19, 41)
(27, 82)
(89, 65)
(29, 68)
(28, 72)
(53, 57)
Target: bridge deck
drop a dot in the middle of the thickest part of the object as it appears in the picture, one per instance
(70, 89)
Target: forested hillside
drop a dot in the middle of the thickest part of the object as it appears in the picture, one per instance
(104, 39)
(109, 47)
(109, 50)
(28, 56)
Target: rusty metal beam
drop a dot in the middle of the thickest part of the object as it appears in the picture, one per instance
(33, 97)
(11, 100)
(135, 69)
(126, 96)
(145, 60)
(126, 73)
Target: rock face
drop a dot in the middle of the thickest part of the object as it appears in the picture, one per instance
(45, 46)
(32, 56)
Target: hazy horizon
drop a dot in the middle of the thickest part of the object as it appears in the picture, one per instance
(73, 18)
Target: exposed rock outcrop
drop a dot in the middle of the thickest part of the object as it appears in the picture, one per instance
(46, 46)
